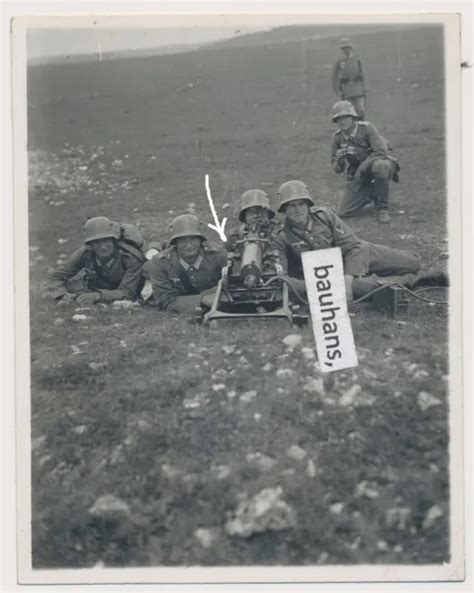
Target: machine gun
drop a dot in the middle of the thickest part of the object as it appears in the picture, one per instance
(252, 282)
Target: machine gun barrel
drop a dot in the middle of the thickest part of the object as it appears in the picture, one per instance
(252, 259)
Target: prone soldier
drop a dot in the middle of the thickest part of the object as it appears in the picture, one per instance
(105, 269)
(184, 276)
(359, 149)
(366, 265)
(349, 78)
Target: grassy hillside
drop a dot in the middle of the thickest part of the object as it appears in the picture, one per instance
(133, 139)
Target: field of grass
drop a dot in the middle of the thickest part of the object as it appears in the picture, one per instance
(165, 415)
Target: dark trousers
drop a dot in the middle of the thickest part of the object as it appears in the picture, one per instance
(373, 186)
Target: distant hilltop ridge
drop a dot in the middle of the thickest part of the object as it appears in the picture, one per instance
(276, 35)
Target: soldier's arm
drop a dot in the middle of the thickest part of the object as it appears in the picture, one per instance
(164, 292)
(278, 243)
(71, 266)
(353, 254)
(338, 163)
(377, 143)
(379, 150)
(232, 238)
(130, 284)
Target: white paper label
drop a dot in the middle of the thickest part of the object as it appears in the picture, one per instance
(325, 287)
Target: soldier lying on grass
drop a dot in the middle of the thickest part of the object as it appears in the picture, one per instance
(183, 276)
(106, 268)
(366, 265)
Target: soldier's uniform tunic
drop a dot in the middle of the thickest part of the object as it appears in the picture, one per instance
(118, 279)
(177, 285)
(369, 168)
(367, 262)
(349, 81)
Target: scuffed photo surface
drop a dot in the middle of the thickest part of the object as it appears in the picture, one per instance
(149, 433)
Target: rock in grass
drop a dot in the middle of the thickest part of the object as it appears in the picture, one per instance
(266, 511)
(169, 470)
(397, 517)
(285, 373)
(248, 396)
(261, 461)
(58, 321)
(311, 469)
(292, 340)
(38, 442)
(336, 508)
(314, 385)
(296, 453)
(125, 304)
(97, 366)
(109, 505)
(367, 489)
(206, 537)
(426, 401)
(347, 398)
(433, 514)
(220, 472)
(79, 429)
(308, 353)
(78, 317)
(267, 367)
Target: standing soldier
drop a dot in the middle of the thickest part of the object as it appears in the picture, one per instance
(182, 275)
(105, 269)
(349, 79)
(359, 149)
(366, 265)
(255, 214)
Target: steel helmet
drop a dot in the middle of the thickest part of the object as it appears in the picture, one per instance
(345, 42)
(252, 198)
(342, 108)
(186, 225)
(100, 227)
(291, 191)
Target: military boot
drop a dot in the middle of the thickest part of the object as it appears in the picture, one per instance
(383, 217)
(431, 278)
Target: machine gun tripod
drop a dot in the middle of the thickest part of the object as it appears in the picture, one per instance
(252, 284)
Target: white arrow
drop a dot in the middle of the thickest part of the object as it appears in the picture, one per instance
(218, 226)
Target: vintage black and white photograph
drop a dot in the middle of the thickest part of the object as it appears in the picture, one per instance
(191, 399)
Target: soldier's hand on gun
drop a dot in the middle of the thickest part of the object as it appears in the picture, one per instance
(88, 298)
(340, 154)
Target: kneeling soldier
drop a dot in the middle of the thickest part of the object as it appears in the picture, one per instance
(358, 148)
(366, 265)
(106, 268)
(183, 275)
(255, 214)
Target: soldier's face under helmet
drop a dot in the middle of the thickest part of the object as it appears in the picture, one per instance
(297, 212)
(188, 247)
(104, 249)
(256, 214)
(345, 122)
(347, 50)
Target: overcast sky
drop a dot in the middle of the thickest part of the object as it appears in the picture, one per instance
(44, 43)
